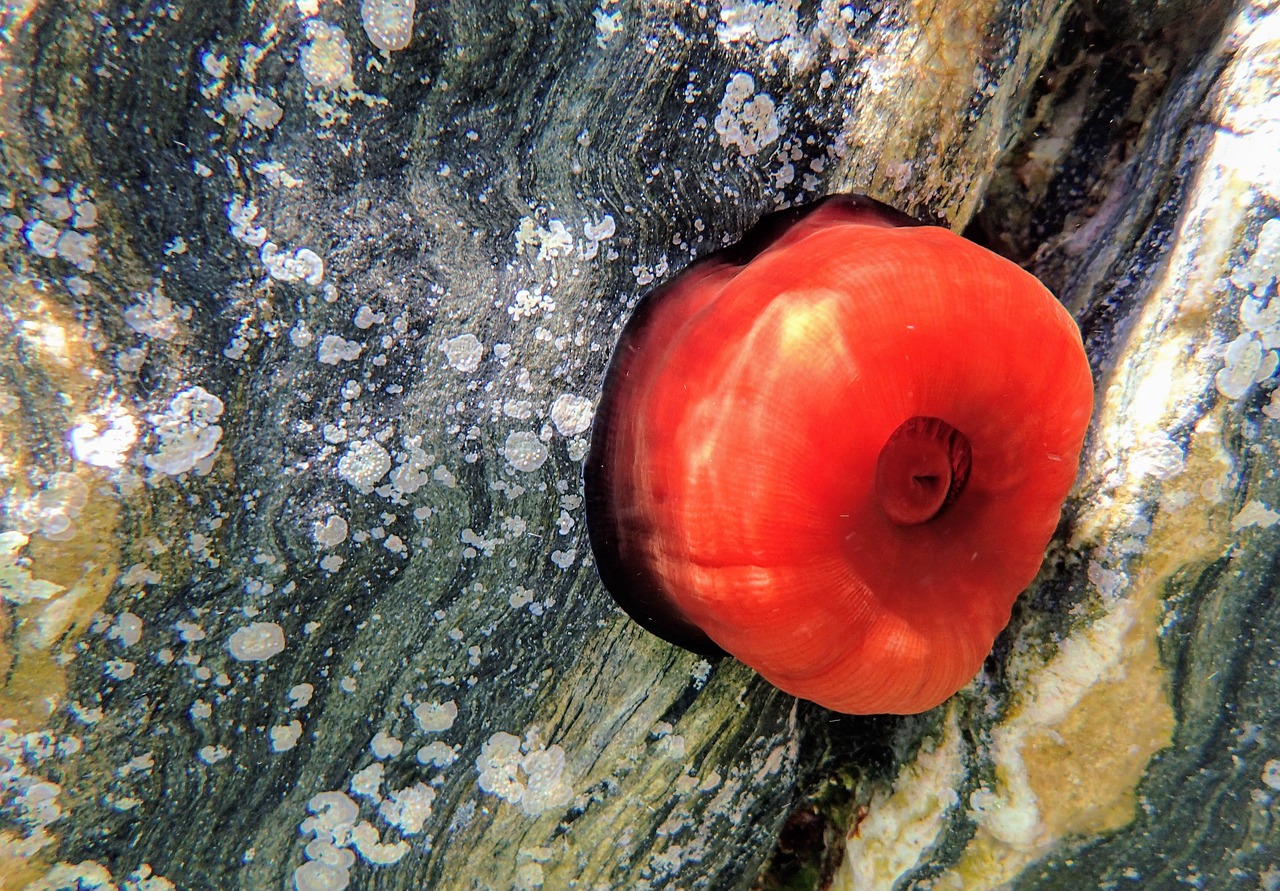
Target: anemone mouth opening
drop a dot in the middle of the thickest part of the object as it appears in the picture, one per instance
(923, 468)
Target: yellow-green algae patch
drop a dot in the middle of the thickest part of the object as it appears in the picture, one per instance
(65, 580)
(59, 379)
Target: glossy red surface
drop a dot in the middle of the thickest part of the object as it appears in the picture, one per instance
(732, 481)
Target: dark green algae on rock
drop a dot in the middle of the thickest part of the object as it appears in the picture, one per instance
(304, 331)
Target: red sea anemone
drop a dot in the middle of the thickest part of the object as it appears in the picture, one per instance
(837, 451)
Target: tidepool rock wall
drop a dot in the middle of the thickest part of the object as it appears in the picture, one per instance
(306, 308)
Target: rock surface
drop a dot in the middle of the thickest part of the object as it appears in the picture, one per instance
(307, 306)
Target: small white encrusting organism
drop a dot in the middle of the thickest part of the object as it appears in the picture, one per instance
(600, 231)
(364, 464)
(594, 233)
(139, 574)
(477, 543)
(433, 717)
(438, 754)
(104, 440)
(607, 24)
(127, 629)
(300, 335)
(1271, 774)
(407, 809)
(524, 451)
(411, 474)
(331, 533)
(52, 511)
(188, 433)
(521, 596)
(242, 216)
(248, 104)
(367, 841)
(78, 249)
(366, 318)
(1156, 455)
(334, 349)
(524, 773)
(276, 174)
(325, 58)
(1254, 513)
(335, 828)
(520, 409)
(384, 745)
(285, 736)
(16, 584)
(48, 241)
(154, 315)
(213, 754)
(300, 695)
(553, 240)
(322, 875)
(1251, 358)
(777, 29)
(334, 818)
(529, 303)
(281, 264)
(1110, 583)
(42, 238)
(463, 352)
(743, 20)
(747, 119)
(189, 632)
(389, 23)
(31, 800)
(256, 642)
(303, 264)
(572, 414)
(367, 782)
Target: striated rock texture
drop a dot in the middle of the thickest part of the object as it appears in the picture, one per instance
(306, 306)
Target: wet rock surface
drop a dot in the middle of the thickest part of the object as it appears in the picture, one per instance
(307, 307)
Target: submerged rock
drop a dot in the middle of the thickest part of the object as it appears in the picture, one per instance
(306, 309)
